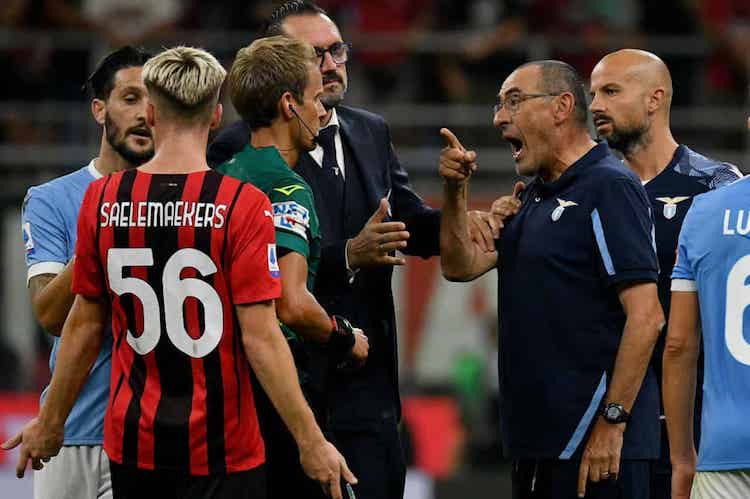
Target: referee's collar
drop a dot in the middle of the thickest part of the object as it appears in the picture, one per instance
(593, 156)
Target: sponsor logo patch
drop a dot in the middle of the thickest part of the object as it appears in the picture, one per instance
(292, 217)
(670, 205)
(28, 241)
(557, 212)
(273, 261)
(289, 189)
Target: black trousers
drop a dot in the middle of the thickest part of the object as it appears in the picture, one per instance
(132, 483)
(376, 458)
(557, 479)
(661, 471)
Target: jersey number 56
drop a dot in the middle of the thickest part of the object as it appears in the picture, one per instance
(176, 290)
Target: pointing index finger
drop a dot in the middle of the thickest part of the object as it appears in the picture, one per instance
(450, 139)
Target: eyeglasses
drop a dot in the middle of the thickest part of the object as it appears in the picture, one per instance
(339, 52)
(513, 101)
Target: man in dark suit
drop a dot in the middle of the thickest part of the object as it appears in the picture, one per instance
(367, 210)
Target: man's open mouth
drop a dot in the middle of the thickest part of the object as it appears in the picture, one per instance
(516, 146)
(141, 132)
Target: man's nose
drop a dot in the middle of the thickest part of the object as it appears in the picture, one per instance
(327, 63)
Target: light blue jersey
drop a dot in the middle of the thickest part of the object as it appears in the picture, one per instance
(714, 260)
(49, 219)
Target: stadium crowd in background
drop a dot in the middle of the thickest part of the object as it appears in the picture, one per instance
(577, 393)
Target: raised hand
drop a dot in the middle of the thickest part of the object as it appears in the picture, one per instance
(377, 239)
(507, 206)
(456, 163)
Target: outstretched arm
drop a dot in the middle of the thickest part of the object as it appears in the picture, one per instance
(271, 360)
(81, 341)
(461, 258)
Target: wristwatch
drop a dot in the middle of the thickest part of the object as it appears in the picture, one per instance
(615, 413)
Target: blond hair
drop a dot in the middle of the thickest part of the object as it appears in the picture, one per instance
(184, 80)
(263, 72)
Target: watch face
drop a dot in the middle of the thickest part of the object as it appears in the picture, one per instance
(613, 412)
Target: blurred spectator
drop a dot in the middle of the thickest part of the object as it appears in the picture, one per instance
(244, 15)
(580, 32)
(491, 52)
(675, 18)
(132, 22)
(389, 28)
(29, 65)
(727, 27)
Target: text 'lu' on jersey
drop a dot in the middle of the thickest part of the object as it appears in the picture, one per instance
(175, 253)
(714, 261)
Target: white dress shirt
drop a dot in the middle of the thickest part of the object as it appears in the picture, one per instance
(317, 153)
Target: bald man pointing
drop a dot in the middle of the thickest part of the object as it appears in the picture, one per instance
(631, 95)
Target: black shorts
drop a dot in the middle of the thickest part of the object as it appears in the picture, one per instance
(133, 483)
(558, 479)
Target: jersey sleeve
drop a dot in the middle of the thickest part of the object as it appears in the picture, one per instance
(624, 233)
(683, 274)
(254, 274)
(88, 274)
(44, 234)
(293, 206)
(724, 174)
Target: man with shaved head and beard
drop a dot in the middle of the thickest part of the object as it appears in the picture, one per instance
(631, 94)
(578, 305)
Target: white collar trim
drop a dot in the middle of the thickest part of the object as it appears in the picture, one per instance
(334, 119)
(92, 169)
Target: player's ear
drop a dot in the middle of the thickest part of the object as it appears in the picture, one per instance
(286, 104)
(563, 107)
(99, 110)
(657, 99)
(216, 118)
(150, 114)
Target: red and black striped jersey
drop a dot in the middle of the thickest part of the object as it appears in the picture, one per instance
(175, 253)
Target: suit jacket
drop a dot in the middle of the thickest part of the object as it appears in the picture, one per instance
(364, 398)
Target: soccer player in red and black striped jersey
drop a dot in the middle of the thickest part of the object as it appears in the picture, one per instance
(185, 258)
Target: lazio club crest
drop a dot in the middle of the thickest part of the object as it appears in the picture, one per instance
(670, 205)
(557, 212)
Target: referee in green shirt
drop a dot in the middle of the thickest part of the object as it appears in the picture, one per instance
(275, 85)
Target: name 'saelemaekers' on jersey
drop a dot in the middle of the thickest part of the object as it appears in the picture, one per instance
(156, 214)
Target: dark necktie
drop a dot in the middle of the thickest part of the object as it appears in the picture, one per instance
(331, 179)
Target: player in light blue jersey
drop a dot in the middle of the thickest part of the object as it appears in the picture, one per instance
(631, 97)
(710, 289)
(49, 218)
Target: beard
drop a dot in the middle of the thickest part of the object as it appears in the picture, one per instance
(627, 140)
(333, 99)
(116, 139)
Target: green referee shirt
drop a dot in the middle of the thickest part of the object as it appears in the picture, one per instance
(297, 226)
